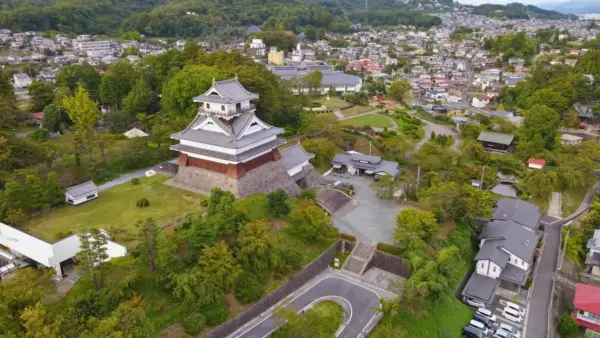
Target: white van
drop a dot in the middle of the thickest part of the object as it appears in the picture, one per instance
(509, 329)
(516, 307)
(473, 302)
(512, 315)
(479, 325)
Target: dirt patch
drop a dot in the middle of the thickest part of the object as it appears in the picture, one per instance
(279, 224)
(235, 307)
(174, 331)
(447, 230)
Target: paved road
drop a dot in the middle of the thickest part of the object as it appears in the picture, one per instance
(439, 129)
(360, 306)
(124, 178)
(537, 318)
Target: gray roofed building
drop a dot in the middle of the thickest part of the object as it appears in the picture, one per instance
(331, 77)
(295, 156)
(82, 189)
(226, 91)
(252, 29)
(518, 211)
(512, 237)
(585, 111)
(493, 137)
(367, 164)
(482, 288)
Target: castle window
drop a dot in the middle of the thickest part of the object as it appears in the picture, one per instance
(208, 106)
(222, 108)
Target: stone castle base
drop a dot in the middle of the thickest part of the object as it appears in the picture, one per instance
(266, 178)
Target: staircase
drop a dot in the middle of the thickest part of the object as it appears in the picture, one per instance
(332, 200)
(359, 258)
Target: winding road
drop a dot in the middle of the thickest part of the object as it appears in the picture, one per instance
(360, 305)
(439, 129)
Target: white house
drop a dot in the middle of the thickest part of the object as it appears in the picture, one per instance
(81, 193)
(55, 255)
(480, 102)
(21, 80)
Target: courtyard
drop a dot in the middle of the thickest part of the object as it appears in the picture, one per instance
(367, 217)
(115, 210)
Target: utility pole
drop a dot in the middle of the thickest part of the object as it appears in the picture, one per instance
(562, 257)
(418, 175)
(370, 147)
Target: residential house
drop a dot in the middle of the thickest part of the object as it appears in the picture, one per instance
(587, 309)
(21, 80)
(457, 109)
(569, 140)
(257, 48)
(506, 251)
(251, 30)
(480, 102)
(495, 141)
(276, 57)
(592, 259)
(357, 164)
(81, 193)
(584, 111)
(535, 163)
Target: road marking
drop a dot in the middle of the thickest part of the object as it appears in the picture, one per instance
(303, 292)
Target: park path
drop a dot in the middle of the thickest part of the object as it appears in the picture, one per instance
(124, 178)
(439, 129)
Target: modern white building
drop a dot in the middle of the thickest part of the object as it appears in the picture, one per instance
(333, 81)
(81, 193)
(21, 80)
(96, 47)
(57, 255)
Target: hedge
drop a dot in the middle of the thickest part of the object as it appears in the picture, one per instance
(347, 237)
(391, 249)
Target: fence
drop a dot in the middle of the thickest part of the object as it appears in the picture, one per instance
(311, 270)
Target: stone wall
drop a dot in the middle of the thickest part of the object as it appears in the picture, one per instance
(266, 178)
(389, 263)
(203, 181)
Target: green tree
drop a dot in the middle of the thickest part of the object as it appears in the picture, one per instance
(314, 81)
(399, 90)
(80, 76)
(168, 259)
(218, 263)
(452, 201)
(38, 322)
(541, 183)
(426, 282)
(92, 255)
(141, 99)
(125, 321)
(84, 114)
(544, 121)
(416, 222)
(55, 118)
(9, 113)
(386, 186)
(450, 264)
(53, 193)
(549, 98)
(117, 83)
(257, 247)
(323, 150)
(147, 239)
(310, 33)
(311, 223)
(41, 94)
(278, 203)
(33, 187)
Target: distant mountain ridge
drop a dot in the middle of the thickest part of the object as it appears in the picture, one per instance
(517, 11)
(574, 6)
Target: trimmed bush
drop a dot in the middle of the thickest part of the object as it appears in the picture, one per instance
(194, 323)
(347, 237)
(528, 283)
(248, 288)
(292, 258)
(308, 194)
(142, 203)
(216, 313)
(204, 203)
(391, 249)
(135, 181)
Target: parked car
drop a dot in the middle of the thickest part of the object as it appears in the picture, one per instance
(473, 302)
(503, 334)
(516, 307)
(487, 313)
(482, 319)
(471, 332)
(479, 325)
(509, 329)
(512, 315)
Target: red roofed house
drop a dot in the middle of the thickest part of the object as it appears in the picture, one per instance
(534, 163)
(587, 308)
(37, 118)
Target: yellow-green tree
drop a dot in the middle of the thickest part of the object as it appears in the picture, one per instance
(83, 111)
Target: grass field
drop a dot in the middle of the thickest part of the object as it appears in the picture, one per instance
(443, 318)
(356, 110)
(373, 120)
(572, 198)
(116, 207)
(333, 102)
(362, 146)
(327, 316)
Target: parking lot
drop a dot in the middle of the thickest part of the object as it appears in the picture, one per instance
(498, 306)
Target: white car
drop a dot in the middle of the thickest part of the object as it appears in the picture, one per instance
(512, 315)
(473, 302)
(503, 334)
(480, 326)
(509, 329)
(487, 313)
(516, 307)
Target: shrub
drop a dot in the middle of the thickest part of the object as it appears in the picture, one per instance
(292, 258)
(308, 194)
(528, 283)
(194, 323)
(248, 288)
(135, 181)
(39, 135)
(567, 327)
(142, 203)
(216, 312)
(542, 227)
(347, 237)
(204, 203)
(277, 203)
(391, 249)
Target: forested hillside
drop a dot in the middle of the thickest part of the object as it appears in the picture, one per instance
(517, 11)
(190, 18)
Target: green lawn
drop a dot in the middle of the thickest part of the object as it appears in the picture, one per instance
(356, 110)
(116, 207)
(326, 315)
(373, 120)
(443, 318)
(572, 198)
(333, 102)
